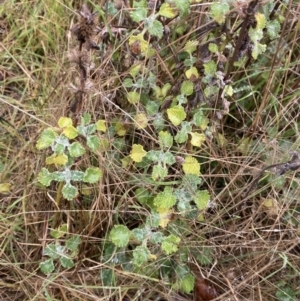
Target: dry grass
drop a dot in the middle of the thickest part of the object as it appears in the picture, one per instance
(256, 248)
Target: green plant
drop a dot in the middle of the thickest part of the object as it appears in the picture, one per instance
(66, 151)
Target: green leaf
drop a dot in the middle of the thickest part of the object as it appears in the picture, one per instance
(86, 118)
(176, 114)
(108, 277)
(165, 89)
(93, 142)
(76, 150)
(165, 199)
(170, 244)
(92, 175)
(76, 175)
(140, 255)
(201, 199)
(69, 192)
(183, 6)
(159, 172)
(168, 158)
(45, 177)
(258, 49)
(66, 262)
(128, 83)
(152, 107)
(187, 88)
(46, 139)
(54, 250)
(142, 195)
(186, 284)
(191, 166)
(156, 29)
(139, 14)
(273, 28)
(210, 68)
(218, 11)
(165, 139)
(137, 153)
(191, 46)
(167, 11)
(119, 235)
(73, 243)
(133, 97)
(47, 266)
(200, 120)
(286, 294)
(60, 231)
(140, 233)
(213, 47)
(182, 135)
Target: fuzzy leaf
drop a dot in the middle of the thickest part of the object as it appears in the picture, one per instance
(66, 262)
(93, 142)
(92, 175)
(137, 153)
(133, 97)
(200, 120)
(119, 235)
(139, 14)
(273, 28)
(159, 172)
(213, 47)
(5, 187)
(165, 89)
(261, 21)
(191, 46)
(183, 6)
(101, 126)
(165, 216)
(192, 73)
(156, 29)
(176, 114)
(182, 135)
(144, 45)
(64, 122)
(201, 199)
(73, 243)
(218, 11)
(70, 132)
(69, 192)
(167, 11)
(186, 284)
(187, 88)
(141, 121)
(191, 166)
(120, 129)
(57, 159)
(165, 199)
(165, 139)
(45, 177)
(46, 139)
(141, 254)
(210, 68)
(76, 150)
(197, 139)
(258, 49)
(228, 90)
(47, 266)
(170, 244)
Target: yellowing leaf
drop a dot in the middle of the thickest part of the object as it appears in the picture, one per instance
(126, 161)
(221, 139)
(191, 46)
(120, 129)
(192, 73)
(141, 121)
(197, 139)
(191, 166)
(101, 126)
(201, 217)
(228, 90)
(5, 187)
(57, 159)
(64, 122)
(143, 44)
(261, 21)
(134, 70)
(176, 114)
(133, 97)
(70, 132)
(166, 11)
(137, 153)
(165, 216)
